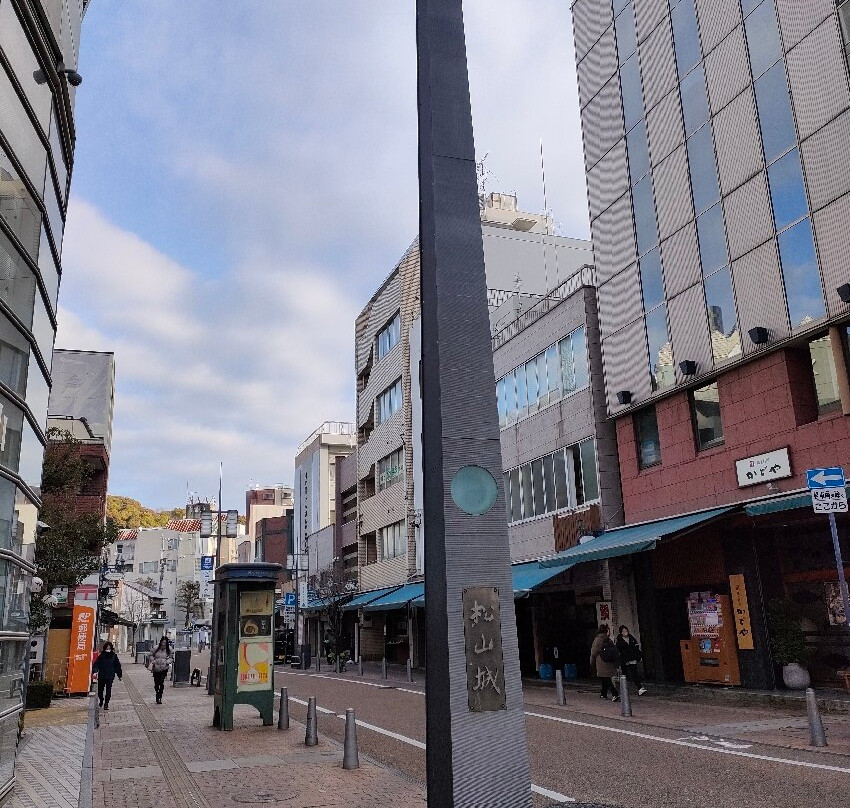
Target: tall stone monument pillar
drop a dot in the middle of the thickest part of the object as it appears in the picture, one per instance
(476, 743)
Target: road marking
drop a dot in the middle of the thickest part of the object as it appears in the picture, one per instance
(718, 741)
(552, 795)
(406, 690)
(340, 679)
(692, 745)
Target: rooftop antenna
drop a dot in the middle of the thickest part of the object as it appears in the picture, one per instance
(483, 175)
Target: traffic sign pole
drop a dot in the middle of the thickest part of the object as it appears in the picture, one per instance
(842, 580)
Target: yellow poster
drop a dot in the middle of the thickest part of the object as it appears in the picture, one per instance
(255, 666)
(741, 610)
(256, 602)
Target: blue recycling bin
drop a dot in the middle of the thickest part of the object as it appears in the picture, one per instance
(546, 671)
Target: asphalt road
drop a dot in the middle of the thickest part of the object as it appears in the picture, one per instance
(589, 758)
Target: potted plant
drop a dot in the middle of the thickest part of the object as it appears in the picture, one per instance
(39, 694)
(787, 643)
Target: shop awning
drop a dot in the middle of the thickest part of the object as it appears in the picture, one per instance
(802, 499)
(396, 599)
(365, 598)
(110, 618)
(530, 575)
(627, 540)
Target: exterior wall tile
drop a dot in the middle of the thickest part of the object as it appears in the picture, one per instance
(590, 19)
(689, 329)
(831, 233)
(798, 19)
(658, 65)
(383, 573)
(727, 70)
(620, 301)
(602, 122)
(614, 239)
(680, 259)
(716, 19)
(664, 127)
(385, 508)
(749, 219)
(608, 180)
(648, 13)
(738, 142)
(626, 362)
(816, 72)
(597, 67)
(827, 177)
(673, 193)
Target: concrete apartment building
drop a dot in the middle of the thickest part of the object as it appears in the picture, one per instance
(719, 190)
(520, 251)
(36, 160)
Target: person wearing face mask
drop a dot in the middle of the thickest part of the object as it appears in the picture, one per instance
(630, 656)
(107, 666)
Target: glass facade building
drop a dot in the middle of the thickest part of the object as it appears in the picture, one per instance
(718, 186)
(36, 157)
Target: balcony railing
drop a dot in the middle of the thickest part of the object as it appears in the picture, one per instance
(328, 428)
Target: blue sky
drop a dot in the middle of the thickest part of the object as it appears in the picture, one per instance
(245, 177)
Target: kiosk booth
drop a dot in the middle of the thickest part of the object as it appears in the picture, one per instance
(244, 645)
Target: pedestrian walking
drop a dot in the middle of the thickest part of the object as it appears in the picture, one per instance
(630, 656)
(202, 639)
(160, 661)
(603, 660)
(107, 666)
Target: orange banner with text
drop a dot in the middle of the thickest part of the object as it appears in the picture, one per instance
(80, 649)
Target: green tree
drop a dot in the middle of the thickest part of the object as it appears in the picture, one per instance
(130, 513)
(188, 599)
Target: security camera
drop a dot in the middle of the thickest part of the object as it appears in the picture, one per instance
(74, 78)
(37, 584)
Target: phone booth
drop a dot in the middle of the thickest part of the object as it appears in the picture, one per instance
(244, 649)
(710, 655)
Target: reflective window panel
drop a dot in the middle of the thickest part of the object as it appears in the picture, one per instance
(632, 93)
(638, 152)
(651, 280)
(711, 234)
(694, 100)
(787, 191)
(707, 420)
(703, 169)
(824, 375)
(800, 272)
(624, 27)
(722, 317)
(774, 111)
(648, 441)
(646, 228)
(685, 36)
(17, 207)
(660, 349)
(763, 38)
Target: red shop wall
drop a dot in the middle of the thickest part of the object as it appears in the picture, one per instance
(766, 404)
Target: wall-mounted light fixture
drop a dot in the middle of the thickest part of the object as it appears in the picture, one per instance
(759, 335)
(624, 397)
(688, 367)
(844, 292)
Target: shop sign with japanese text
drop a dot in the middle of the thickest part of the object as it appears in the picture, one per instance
(482, 631)
(763, 468)
(741, 612)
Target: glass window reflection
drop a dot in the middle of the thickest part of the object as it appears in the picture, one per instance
(648, 441)
(579, 343)
(787, 192)
(774, 111)
(651, 280)
(703, 169)
(824, 375)
(632, 93)
(646, 228)
(38, 393)
(660, 349)
(685, 36)
(638, 152)
(694, 100)
(707, 420)
(801, 275)
(711, 234)
(17, 208)
(763, 38)
(722, 317)
(626, 35)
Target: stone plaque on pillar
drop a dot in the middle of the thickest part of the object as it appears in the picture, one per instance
(482, 628)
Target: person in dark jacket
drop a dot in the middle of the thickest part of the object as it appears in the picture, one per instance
(107, 666)
(630, 655)
(603, 655)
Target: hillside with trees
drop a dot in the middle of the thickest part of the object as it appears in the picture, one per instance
(129, 513)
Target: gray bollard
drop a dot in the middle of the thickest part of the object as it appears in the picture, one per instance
(318, 663)
(559, 688)
(625, 699)
(384, 668)
(350, 758)
(409, 670)
(311, 735)
(360, 665)
(817, 733)
(283, 711)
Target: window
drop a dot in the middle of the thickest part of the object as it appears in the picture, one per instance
(711, 234)
(646, 432)
(638, 151)
(763, 38)
(388, 403)
(787, 192)
(390, 469)
(844, 21)
(694, 100)
(393, 540)
(632, 94)
(800, 271)
(703, 169)
(624, 26)
(563, 479)
(685, 36)
(825, 377)
(651, 280)
(644, 205)
(574, 373)
(660, 349)
(774, 111)
(722, 317)
(706, 409)
(389, 336)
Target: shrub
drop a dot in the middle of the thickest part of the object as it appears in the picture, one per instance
(786, 634)
(39, 694)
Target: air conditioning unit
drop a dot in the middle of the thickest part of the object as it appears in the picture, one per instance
(365, 620)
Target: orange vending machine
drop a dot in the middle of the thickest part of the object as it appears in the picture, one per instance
(710, 655)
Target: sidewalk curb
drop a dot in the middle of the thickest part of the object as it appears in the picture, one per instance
(87, 776)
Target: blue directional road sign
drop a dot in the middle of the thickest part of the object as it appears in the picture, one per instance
(832, 477)
(289, 599)
(207, 563)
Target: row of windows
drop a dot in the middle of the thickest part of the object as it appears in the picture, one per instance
(154, 566)
(388, 403)
(558, 371)
(564, 479)
(388, 337)
(392, 540)
(390, 469)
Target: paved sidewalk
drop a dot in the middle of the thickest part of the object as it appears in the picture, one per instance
(169, 756)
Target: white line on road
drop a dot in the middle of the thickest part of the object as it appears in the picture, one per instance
(548, 793)
(340, 679)
(679, 742)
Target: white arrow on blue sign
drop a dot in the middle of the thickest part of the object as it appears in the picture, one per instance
(832, 477)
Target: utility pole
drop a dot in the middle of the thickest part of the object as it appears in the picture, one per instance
(214, 621)
(475, 727)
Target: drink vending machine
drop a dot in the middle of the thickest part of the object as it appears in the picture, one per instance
(710, 656)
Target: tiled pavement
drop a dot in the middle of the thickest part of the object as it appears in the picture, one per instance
(168, 756)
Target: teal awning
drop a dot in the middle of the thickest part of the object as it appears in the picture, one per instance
(365, 598)
(627, 540)
(530, 575)
(802, 499)
(396, 599)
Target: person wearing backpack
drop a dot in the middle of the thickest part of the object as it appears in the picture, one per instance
(603, 659)
(160, 661)
(630, 656)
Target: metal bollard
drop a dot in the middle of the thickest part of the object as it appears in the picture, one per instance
(283, 711)
(409, 670)
(384, 668)
(337, 663)
(559, 688)
(360, 665)
(625, 699)
(817, 733)
(311, 735)
(318, 663)
(350, 758)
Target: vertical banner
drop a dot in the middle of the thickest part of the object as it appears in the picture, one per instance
(80, 649)
(741, 610)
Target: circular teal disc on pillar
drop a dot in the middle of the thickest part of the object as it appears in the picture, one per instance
(474, 490)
